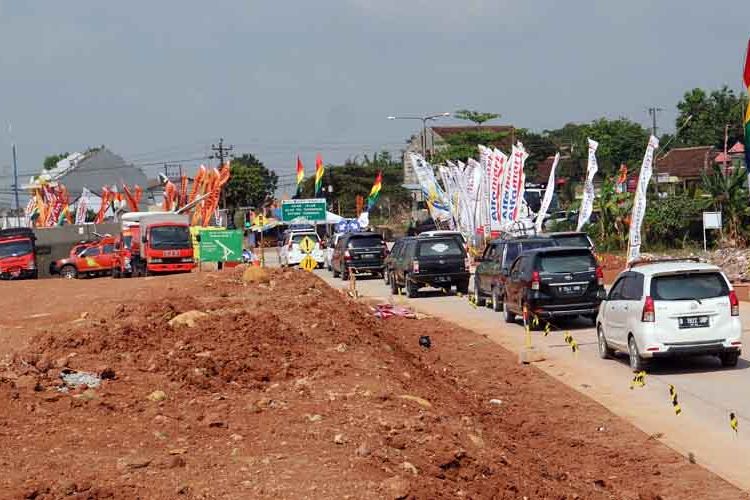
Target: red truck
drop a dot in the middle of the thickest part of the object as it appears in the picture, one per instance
(86, 259)
(18, 253)
(154, 243)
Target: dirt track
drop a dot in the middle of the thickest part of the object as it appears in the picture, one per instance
(291, 390)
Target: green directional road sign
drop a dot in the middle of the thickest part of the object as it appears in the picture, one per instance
(309, 210)
(221, 246)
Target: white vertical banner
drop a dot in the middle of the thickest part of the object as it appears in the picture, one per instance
(512, 186)
(485, 160)
(83, 206)
(499, 168)
(639, 202)
(548, 193)
(587, 203)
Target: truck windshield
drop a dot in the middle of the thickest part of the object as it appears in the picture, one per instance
(170, 237)
(15, 248)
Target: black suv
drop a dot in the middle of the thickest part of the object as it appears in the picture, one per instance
(577, 239)
(389, 261)
(436, 261)
(493, 266)
(358, 253)
(554, 282)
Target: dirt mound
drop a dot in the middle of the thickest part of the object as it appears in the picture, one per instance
(290, 389)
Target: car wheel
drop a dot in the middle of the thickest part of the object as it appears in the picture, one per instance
(604, 350)
(478, 299)
(68, 272)
(116, 273)
(497, 302)
(637, 363)
(446, 289)
(344, 274)
(508, 316)
(729, 359)
(411, 289)
(394, 286)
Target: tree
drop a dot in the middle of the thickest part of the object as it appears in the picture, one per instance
(476, 117)
(250, 184)
(463, 145)
(50, 162)
(711, 113)
(539, 147)
(728, 194)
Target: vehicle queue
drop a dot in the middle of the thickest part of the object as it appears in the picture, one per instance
(655, 309)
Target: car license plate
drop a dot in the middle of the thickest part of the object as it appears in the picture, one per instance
(693, 322)
(442, 279)
(570, 289)
(368, 256)
(171, 253)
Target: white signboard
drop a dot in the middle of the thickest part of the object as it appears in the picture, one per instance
(712, 220)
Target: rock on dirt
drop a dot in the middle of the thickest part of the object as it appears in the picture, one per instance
(188, 319)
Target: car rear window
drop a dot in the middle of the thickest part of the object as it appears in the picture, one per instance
(296, 238)
(689, 286)
(574, 262)
(365, 242)
(531, 245)
(444, 247)
(573, 240)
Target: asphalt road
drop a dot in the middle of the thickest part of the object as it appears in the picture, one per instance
(707, 393)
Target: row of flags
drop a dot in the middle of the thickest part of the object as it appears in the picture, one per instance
(372, 199)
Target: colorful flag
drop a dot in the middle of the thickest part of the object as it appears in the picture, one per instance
(747, 114)
(512, 186)
(300, 175)
(319, 171)
(375, 191)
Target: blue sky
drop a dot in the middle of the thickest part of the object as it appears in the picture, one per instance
(160, 81)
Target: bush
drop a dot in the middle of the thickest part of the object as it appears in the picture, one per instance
(671, 222)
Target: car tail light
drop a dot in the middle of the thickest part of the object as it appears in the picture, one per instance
(734, 303)
(415, 266)
(600, 275)
(347, 255)
(649, 313)
(535, 280)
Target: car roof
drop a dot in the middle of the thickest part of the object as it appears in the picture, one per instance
(550, 250)
(567, 233)
(362, 234)
(673, 267)
(521, 239)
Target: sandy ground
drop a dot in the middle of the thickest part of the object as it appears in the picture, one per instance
(287, 388)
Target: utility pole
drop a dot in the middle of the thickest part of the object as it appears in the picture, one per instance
(15, 177)
(652, 112)
(220, 153)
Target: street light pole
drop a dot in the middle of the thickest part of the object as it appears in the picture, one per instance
(424, 120)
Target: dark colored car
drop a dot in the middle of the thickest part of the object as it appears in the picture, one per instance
(438, 261)
(577, 239)
(554, 282)
(489, 279)
(389, 261)
(358, 253)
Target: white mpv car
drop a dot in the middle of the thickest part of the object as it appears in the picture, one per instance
(291, 254)
(670, 308)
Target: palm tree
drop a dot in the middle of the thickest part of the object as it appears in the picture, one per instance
(614, 209)
(728, 194)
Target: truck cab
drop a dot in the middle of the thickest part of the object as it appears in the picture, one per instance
(18, 254)
(163, 240)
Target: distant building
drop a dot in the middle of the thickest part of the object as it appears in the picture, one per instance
(682, 167)
(94, 169)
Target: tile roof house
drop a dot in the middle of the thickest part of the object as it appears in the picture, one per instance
(684, 165)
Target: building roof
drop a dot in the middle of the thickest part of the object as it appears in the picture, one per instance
(96, 169)
(686, 163)
(505, 144)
